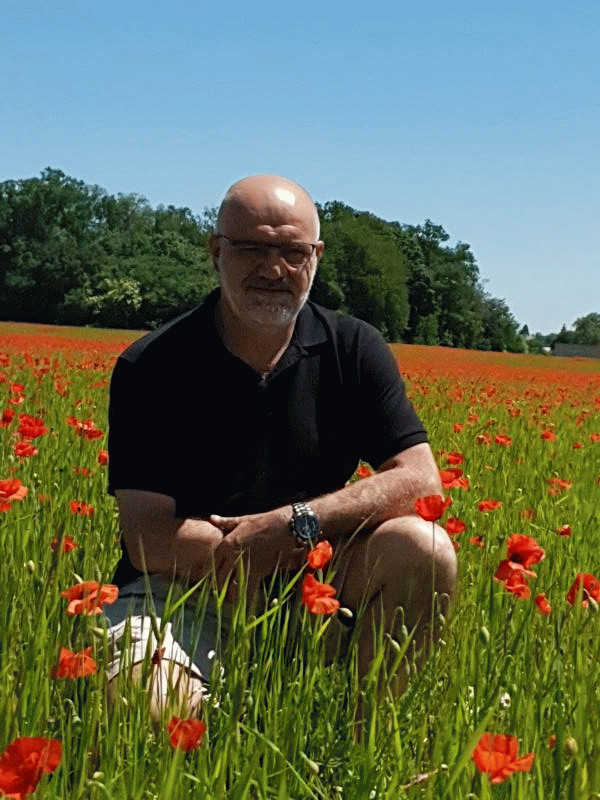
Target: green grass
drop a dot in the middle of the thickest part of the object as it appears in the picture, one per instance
(280, 722)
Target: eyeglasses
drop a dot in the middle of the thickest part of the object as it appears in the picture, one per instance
(295, 255)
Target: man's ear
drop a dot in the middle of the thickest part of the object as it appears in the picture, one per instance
(319, 249)
(214, 249)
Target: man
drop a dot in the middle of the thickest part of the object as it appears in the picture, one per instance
(234, 431)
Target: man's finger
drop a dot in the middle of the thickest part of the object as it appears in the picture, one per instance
(225, 524)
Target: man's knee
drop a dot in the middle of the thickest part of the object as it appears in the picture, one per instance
(170, 689)
(410, 544)
(406, 559)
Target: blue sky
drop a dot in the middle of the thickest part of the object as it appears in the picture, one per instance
(487, 123)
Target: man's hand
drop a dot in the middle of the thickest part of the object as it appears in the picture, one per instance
(264, 542)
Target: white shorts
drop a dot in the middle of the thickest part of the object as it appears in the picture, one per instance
(137, 629)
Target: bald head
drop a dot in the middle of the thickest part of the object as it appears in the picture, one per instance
(268, 197)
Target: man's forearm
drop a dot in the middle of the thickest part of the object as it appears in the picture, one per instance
(159, 542)
(386, 494)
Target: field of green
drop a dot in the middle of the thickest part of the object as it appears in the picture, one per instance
(519, 655)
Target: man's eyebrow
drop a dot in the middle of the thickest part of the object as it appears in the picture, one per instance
(266, 244)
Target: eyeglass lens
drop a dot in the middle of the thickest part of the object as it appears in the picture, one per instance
(294, 255)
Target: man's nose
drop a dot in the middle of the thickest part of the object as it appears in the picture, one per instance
(273, 266)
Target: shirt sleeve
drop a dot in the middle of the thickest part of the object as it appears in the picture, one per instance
(138, 439)
(389, 423)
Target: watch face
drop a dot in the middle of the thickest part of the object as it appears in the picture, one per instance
(306, 527)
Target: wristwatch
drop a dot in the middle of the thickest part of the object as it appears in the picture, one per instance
(304, 524)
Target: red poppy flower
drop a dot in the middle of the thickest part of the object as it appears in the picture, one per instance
(320, 555)
(454, 526)
(543, 605)
(561, 483)
(473, 418)
(591, 589)
(503, 440)
(497, 755)
(457, 427)
(81, 471)
(25, 450)
(89, 597)
(103, 457)
(74, 665)
(31, 427)
(12, 489)
(23, 763)
(7, 417)
(455, 458)
(363, 471)
(186, 734)
(548, 435)
(318, 597)
(483, 438)
(564, 530)
(68, 544)
(16, 388)
(577, 445)
(450, 477)
(83, 509)
(17, 400)
(85, 428)
(489, 505)
(524, 550)
(477, 541)
(432, 506)
(595, 437)
(517, 584)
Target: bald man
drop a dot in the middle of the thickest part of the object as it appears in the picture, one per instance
(234, 431)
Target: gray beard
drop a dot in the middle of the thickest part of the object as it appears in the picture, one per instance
(272, 313)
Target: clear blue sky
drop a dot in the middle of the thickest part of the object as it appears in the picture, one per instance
(486, 122)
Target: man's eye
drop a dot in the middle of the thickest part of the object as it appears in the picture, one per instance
(293, 255)
(250, 249)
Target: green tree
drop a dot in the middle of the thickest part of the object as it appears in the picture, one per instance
(363, 271)
(587, 330)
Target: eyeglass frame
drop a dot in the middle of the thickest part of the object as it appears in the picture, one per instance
(266, 247)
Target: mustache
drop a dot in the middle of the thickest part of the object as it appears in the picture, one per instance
(269, 285)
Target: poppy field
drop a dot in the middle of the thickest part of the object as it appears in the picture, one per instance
(507, 704)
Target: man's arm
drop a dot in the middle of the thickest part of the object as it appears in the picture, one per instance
(388, 493)
(160, 542)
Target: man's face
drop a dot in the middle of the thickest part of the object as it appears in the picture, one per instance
(258, 285)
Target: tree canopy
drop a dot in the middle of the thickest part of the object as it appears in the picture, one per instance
(71, 253)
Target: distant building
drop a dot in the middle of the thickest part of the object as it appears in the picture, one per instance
(577, 350)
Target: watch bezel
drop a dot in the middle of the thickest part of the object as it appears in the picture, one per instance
(305, 512)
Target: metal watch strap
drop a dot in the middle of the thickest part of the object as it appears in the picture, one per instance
(308, 532)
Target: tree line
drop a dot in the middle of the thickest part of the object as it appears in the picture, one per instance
(73, 254)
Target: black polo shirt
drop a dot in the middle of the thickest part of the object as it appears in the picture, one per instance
(190, 420)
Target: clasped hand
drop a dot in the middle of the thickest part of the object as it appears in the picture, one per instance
(263, 541)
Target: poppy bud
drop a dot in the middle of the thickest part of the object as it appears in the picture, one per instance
(484, 635)
(30, 567)
(346, 612)
(312, 765)
(593, 604)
